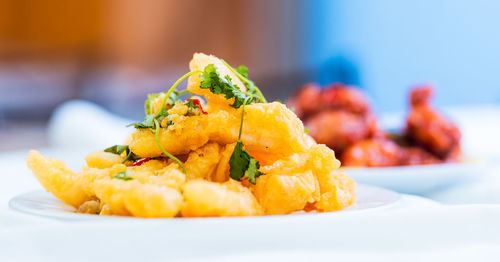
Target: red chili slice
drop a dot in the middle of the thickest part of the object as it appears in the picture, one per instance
(141, 161)
(197, 102)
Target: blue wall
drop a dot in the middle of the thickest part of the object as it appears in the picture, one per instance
(386, 46)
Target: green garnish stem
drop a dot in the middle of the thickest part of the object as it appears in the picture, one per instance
(169, 92)
(163, 150)
(241, 122)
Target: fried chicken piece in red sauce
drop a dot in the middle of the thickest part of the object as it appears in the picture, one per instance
(339, 129)
(305, 101)
(342, 97)
(429, 129)
(376, 152)
(310, 99)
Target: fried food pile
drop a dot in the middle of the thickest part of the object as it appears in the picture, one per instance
(236, 155)
(340, 117)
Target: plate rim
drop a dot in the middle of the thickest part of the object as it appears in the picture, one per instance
(74, 217)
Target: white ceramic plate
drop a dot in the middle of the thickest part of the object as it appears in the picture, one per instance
(417, 179)
(41, 203)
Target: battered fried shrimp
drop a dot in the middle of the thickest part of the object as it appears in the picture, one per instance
(101, 159)
(202, 162)
(58, 179)
(159, 173)
(429, 129)
(288, 185)
(373, 153)
(215, 102)
(137, 199)
(282, 136)
(287, 192)
(203, 199)
(339, 129)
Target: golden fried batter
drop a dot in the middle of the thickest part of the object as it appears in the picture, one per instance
(137, 199)
(270, 129)
(204, 198)
(215, 102)
(58, 179)
(328, 191)
(202, 162)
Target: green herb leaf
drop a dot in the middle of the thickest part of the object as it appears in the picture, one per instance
(117, 149)
(243, 165)
(161, 115)
(306, 130)
(243, 70)
(146, 123)
(253, 170)
(211, 80)
(124, 175)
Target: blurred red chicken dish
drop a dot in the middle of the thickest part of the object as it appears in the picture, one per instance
(340, 117)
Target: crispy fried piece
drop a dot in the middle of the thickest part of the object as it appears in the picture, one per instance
(101, 159)
(202, 162)
(337, 190)
(282, 136)
(429, 129)
(331, 191)
(215, 102)
(339, 129)
(373, 153)
(205, 199)
(58, 179)
(285, 193)
(159, 173)
(137, 199)
(181, 137)
(222, 171)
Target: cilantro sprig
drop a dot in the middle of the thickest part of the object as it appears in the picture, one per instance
(242, 164)
(119, 149)
(212, 80)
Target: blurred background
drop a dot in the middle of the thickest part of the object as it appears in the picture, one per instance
(114, 52)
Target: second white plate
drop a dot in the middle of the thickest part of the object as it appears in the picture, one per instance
(416, 179)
